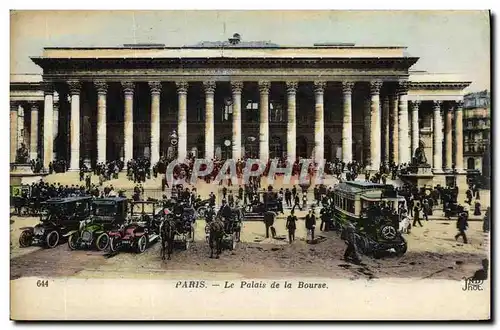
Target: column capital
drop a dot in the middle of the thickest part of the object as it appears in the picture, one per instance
(74, 87)
(14, 106)
(264, 86)
(34, 105)
(459, 105)
(236, 86)
(347, 87)
(437, 105)
(101, 86)
(209, 87)
(319, 87)
(415, 105)
(155, 87)
(182, 87)
(403, 87)
(291, 87)
(48, 87)
(128, 87)
(375, 87)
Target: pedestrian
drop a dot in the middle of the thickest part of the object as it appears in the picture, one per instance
(462, 226)
(324, 215)
(416, 216)
(311, 223)
(269, 217)
(296, 202)
(291, 225)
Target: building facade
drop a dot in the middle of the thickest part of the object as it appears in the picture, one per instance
(238, 99)
(477, 132)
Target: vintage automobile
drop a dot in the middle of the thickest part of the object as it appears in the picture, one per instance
(58, 217)
(368, 206)
(107, 214)
(141, 227)
(255, 209)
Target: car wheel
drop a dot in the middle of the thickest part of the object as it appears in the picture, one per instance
(73, 241)
(26, 238)
(401, 249)
(388, 232)
(102, 242)
(52, 239)
(142, 244)
(115, 243)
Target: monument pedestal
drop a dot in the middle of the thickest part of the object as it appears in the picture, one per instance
(21, 174)
(419, 176)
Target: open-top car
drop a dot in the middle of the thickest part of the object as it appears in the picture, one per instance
(373, 209)
(58, 217)
(263, 202)
(107, 214)
(141, 228)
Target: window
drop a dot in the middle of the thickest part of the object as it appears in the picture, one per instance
(227, 112)
(252, 111)
(275, 112)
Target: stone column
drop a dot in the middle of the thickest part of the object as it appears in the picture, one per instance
(367, 132)
(437, 164)
(155, 87)
(74, 88)
(375, 136)
(209, 87)
(448, 139)
(415, 129)
(236, 87)
(102, 89)
(385, 129)
(56, 126)
(291, 144)
(319, 123)
(182, 89)
(48, 117)
(20, 126)
(347, 87)
(264, 87)
(403, 124)
(13, 131)
(34, 131)
(394, 137)
(459, 139)
(128, 119)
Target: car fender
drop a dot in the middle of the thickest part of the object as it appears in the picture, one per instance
(71, 232)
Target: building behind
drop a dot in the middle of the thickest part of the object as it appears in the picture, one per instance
(477, 137)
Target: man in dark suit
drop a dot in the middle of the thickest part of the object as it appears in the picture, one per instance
(462, 226)
(291, 226)
(311, 223)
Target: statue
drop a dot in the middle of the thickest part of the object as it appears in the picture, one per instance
(172, 149)
(419, 158)
(22, 156)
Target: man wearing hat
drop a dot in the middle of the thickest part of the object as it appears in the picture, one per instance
(311, 223)
(291, 226)
(462, 226)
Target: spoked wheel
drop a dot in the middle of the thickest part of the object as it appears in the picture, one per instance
(191, 234)
(102, 242)
(142, 244)
(233, 241)
(26, 238)
(73, 241)
(52, 239)
(115, 243)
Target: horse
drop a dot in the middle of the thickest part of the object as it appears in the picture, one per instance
(215, 237)
(167, 233)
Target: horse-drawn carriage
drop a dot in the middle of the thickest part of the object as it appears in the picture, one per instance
(231, 228)
(59, 216)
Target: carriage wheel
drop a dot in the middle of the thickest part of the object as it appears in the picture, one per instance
(114, 244)
(233, 241)
(142, 244)
(52, 239)
(102, 242)
(191, 234)
(73, 241)
(25, 239)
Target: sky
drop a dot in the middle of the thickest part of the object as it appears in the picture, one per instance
(445, 41)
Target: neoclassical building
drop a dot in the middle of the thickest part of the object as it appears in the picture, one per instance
(237, 99)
